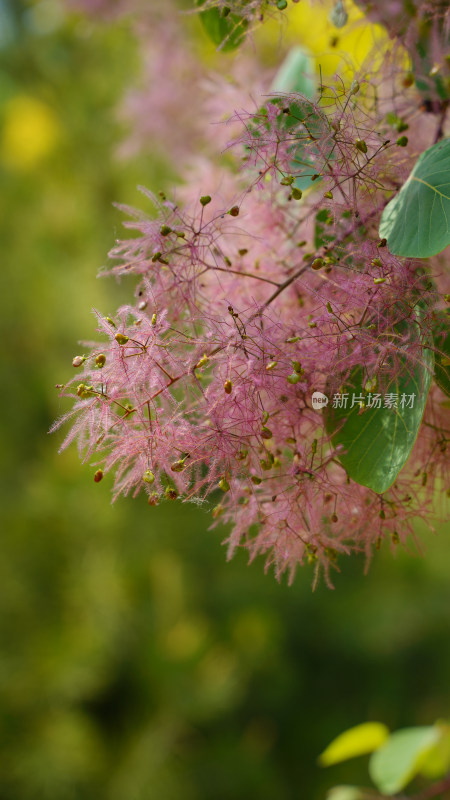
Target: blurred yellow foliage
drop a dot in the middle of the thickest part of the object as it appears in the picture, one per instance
(30, 132)
(339, 50)
(357, 741)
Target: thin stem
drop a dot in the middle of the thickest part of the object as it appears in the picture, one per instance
(242, 274)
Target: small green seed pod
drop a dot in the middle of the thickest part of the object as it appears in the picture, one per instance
(328, 195)
(205, 200)
(171, 493)
(78, 361)
(164, 231)
(98, 475)
(202, 362)
(256, 480)
(84, 391)
(148, 476)
(317, 263)
(361, 145)
(234, 211)
(121, 338)
(402, 141)
(224, 485)
(228, 387)
(178, 466)
(100, 360)
(297, 194)
(294, 378)
(266, 433)
(271, 365)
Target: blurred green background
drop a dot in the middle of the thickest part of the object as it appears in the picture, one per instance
(135, 662)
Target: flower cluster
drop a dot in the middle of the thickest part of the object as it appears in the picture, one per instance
(250, 299)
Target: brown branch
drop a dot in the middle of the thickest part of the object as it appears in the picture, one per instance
(336, 243)
(434, 790)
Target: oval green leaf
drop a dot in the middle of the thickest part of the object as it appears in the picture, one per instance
(441, 339)
(397, 762)
(356, 741)
(227, 33)
(416, 222)
(375, 444)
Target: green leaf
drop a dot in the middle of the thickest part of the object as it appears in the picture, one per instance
(397, 762)
(345, 793)
(416, 222)
(377, 442)
(227, 33)
(441, 339)
(305, 156)
(302, 120)
(295, 74)
(356, 741)
(437, 761)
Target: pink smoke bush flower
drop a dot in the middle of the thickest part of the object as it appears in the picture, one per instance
(253, 294)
